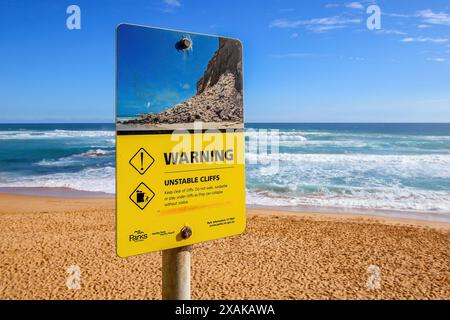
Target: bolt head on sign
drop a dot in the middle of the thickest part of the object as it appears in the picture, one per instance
(180, 139)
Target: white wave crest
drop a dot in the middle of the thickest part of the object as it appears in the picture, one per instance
(54, 134)
(382, 199)
(76, 158)
(431, 165)
(96, 153)
(93, 180)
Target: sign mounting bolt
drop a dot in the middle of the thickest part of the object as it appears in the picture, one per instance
(186, 233)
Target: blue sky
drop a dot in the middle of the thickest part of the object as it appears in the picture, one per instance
(304, 61)
(152, 74)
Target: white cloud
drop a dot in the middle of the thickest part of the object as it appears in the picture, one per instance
(324, 24)
(424, 39)
(440, 60)
(350, 5)
(323, 28)
(317, 25)
(428, 16)
(423, 26)
(354, 5)
(286, 23)
(173, 3)
(391, 31)
(396, 15)
(294, 35)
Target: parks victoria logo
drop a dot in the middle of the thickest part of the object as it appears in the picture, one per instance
(138, 236)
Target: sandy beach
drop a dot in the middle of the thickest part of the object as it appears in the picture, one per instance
(282, 255)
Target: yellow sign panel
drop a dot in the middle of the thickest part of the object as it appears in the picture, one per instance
(208, 197)
(180, 174)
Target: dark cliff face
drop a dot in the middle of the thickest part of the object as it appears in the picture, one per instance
(227, 59)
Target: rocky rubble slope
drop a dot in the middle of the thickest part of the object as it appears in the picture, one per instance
(220, 102)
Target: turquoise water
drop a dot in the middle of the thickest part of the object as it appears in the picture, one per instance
(348, 166)
(363, 166)
(80, 157)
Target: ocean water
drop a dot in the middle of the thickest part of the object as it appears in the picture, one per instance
(76, 156)
(394, 167)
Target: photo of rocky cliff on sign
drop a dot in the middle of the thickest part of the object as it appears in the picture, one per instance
(169, 80)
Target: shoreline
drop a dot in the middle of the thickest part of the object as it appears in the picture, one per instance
(408, 215)
(66, 192)
(102, 199)
(56, 192)
(349, 217)
(124, 127)
(438, 217)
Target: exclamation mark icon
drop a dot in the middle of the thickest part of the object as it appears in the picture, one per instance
(141, 161)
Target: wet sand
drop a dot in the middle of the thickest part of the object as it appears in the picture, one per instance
(281, 256)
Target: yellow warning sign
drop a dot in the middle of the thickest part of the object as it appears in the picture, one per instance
(180, 166)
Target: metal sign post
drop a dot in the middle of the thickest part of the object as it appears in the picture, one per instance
(176, 273)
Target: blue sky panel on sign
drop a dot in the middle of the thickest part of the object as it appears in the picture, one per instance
(152, 74)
